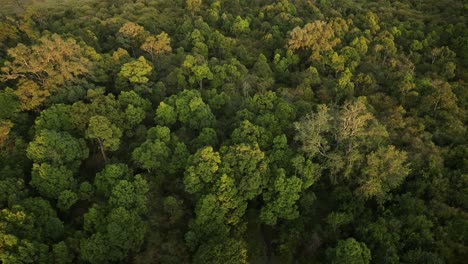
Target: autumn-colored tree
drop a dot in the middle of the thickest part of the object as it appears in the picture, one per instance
(42, 68)
(317, 37)
(131, 36)
(157, 45)
(193, 5)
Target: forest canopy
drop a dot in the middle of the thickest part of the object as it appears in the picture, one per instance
(240, 131)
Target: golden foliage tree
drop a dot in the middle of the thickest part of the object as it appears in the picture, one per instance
(41, 68)
(157, 45)
(317, 37)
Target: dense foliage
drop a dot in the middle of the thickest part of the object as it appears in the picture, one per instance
(234, 131)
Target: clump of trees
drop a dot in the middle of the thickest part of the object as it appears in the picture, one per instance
(207, 131)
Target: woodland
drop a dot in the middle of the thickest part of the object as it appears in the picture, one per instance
(233, 131)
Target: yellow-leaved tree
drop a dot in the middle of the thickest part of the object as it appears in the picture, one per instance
(40, 69)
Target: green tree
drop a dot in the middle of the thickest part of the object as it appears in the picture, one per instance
(61, 253)
(66, 199)
(240, 26)
(198, 70)
(136, 71)
(349, 251)
(229, 251)
(57, 117)
(193, 5)
(248, 166)
(200, 174)
(165, 114)
(57, 148)
(190, 109)
(107, 134)
(386, 169)
(50, 181)
(9, 103)
(152, 154)
(130, 195)
(280, 200)
(110, 176)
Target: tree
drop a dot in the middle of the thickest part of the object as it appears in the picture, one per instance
(50, 181)
(157, 45)
(165, 114)
(5, 129)
(240, 26)
(94, 249)
(42, 68)
(61, 253)
(107, 134)
(134, 115)
(193, 5)
(209, 222)
(136, 71)
(200, 174)
(349, 251)
(57, 117)
(130, 195)
(125, 233)
(247, 165)
(310, 131)
(207, 137)
(131, 35)
(248, 133)
(280, 200)
(152, 154)
(57, 148)
(190, 108)
(198, 70)
(110, 176)
(9, 103)
(341, 135)
(386, 169)
(66, 199)
(229, 251)
(372, 22)
(318, 37)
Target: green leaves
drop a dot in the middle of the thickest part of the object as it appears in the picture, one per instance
(198, 70)
(110, 176)
(51, 181)
(105, 132)
(57, 117)
(281, 199)
(115, 230)
(200, 174)
(349, 251)
(130, 195)
(56, 148)
(152, 154)
(165, 114)
(386, 169)
(189, 108)
(136, 71)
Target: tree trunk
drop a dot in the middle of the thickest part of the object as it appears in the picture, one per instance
(102, 150)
